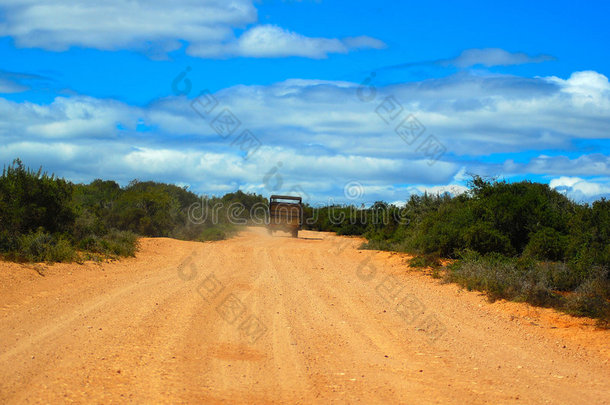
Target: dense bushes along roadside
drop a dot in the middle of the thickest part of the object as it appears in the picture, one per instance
(522, 241)
(44, 218)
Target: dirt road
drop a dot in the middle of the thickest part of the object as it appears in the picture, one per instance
(257, 319)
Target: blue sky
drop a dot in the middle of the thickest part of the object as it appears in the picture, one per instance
(517, 90)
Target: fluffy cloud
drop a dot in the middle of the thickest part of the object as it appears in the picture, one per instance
(471, 115)
(586, 87)
(65, 118)
(157, 27)
(320, 135)
(579, 189)
(119, 24)
(271, 41)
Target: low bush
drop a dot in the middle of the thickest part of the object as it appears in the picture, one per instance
(119, 243)
(591, 298)
(41, 246)
(424, 261)
(523, 279)
(498, 276)
(217, 232)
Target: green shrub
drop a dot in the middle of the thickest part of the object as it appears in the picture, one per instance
(8, 241)
(559, 276)
(482, 237)
(41, 246)
(62, 251)
(546, 244)
(525, 279)
(503, 277)
(119, 243)
(591, 299)
(30, 200)
(187, 231)
(34, 247)
(217, 232)
(46, 218)
(114, 243)
(424, 261)
(379, 244)
(499, 278)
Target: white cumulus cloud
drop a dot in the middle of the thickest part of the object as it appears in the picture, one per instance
(156, 27)
(587, 87)
(579, 189)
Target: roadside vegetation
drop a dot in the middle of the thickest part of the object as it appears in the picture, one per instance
(45, 218)
(518, 241)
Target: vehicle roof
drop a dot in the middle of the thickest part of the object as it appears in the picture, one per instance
(285, 197)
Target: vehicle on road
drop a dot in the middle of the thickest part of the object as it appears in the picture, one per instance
(285, 214)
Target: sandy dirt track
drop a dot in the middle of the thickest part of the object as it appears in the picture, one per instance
(259, 319)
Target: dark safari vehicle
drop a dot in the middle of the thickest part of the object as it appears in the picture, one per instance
(285, 214)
